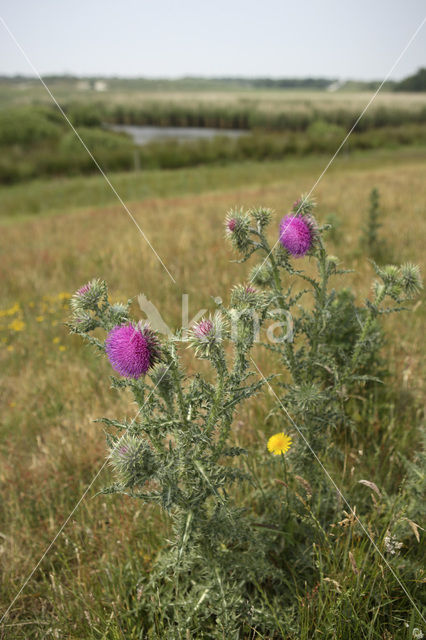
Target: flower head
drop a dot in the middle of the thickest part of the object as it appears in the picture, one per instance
(303, 205)
(132, 350)
(84, 289)
(237, 229)
(261, 274)
(246, 296)
(261, 215)
(207, 335)
(279, 444)
(203, 329)
(297, 234)
(133, 460)
(392, 545)
(411, 280)
(88, 295)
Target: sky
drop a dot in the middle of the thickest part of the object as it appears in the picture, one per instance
(175, 38)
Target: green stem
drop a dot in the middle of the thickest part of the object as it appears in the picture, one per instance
(178, 387)
(277, 287)
(321, 298)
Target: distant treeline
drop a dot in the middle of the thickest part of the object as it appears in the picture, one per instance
(415, 82)
(37, 142)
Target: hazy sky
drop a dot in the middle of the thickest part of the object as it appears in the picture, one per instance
(333, 38)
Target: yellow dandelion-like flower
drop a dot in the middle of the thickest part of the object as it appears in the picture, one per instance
(55, 340)
(279, 443)
(40, 318)
(17, 325)
(62, 348)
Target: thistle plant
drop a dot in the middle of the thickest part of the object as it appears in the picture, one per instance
(334, 350)
(374, 246)
(223, 565)
(177, 453)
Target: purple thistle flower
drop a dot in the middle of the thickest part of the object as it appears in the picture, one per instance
(296, 235)
(203, 328)
(250, 289)
(132, 350)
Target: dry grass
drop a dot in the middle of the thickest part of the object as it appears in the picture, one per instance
(50, 448)
(264, 99)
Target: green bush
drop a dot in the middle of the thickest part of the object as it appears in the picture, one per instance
(27, 126)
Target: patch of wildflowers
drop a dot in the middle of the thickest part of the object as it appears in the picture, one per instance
(16, 325)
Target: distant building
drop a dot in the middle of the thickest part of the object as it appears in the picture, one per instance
(335, 86)
(100, 85)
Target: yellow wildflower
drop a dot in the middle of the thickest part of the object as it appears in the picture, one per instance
(40, 318)
(279, 443)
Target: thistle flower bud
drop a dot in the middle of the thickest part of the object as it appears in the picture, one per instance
(332, 262)
(118, 313)
(410, 279)
(261, 215)
(132, 350)
(261, 274)
(205, 336)
(378, 288)
(303, 206)
(390, 274)
(88, 296)
(237, 229)
(246, 296)
(133, 460)
(83, 321)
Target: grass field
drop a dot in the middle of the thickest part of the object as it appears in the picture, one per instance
(56, 235)
(29, 92)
